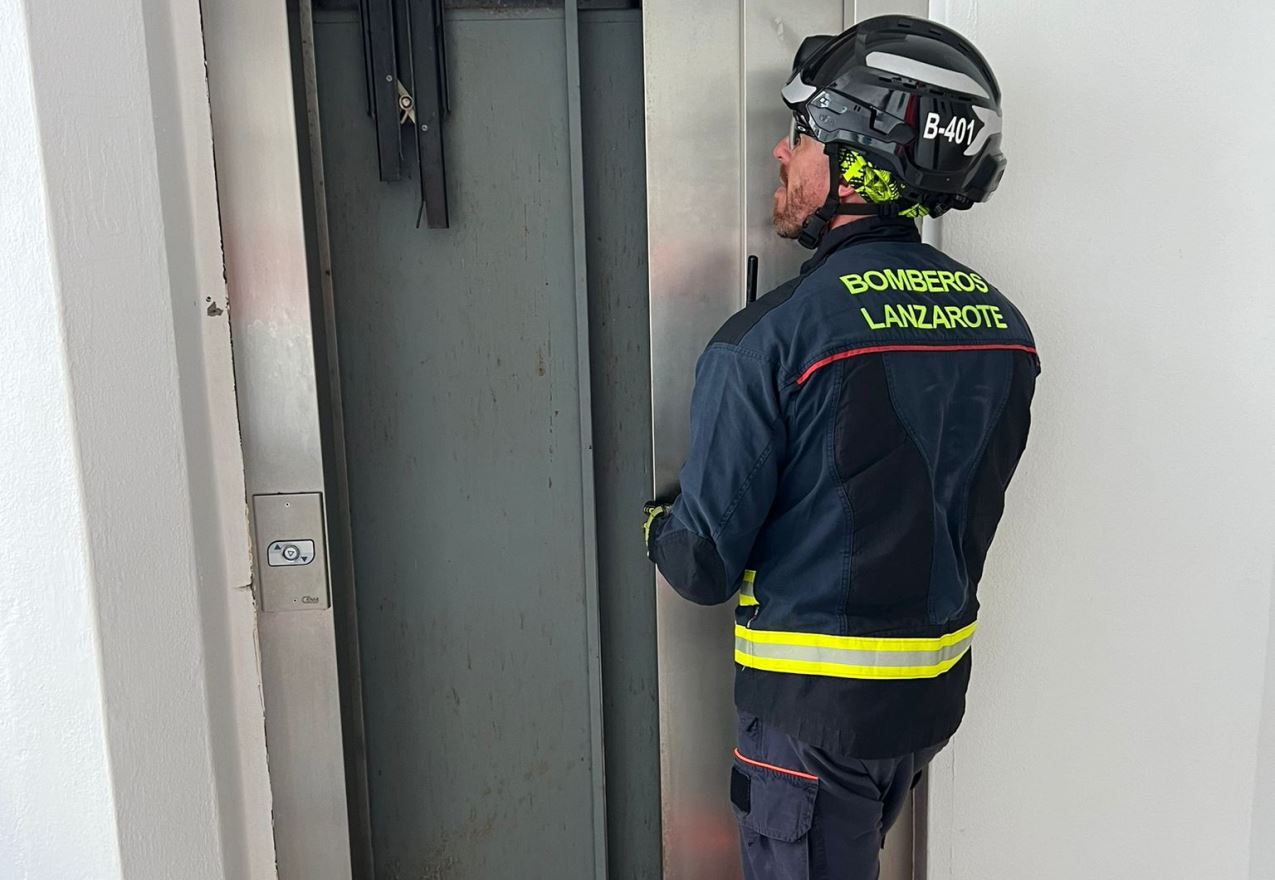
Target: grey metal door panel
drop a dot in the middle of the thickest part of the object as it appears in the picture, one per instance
(619, 339)
(460, 376)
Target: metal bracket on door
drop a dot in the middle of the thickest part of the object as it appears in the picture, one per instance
(406, 68)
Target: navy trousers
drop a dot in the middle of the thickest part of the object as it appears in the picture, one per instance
(805, 814)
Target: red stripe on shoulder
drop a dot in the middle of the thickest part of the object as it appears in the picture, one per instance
(878, 349)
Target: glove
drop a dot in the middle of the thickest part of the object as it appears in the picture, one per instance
(653, 510)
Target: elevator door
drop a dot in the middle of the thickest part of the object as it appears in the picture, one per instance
(469, 463)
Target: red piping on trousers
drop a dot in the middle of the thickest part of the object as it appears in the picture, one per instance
(841, 356)
(776, 769)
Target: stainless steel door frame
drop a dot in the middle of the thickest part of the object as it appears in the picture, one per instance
(713, 113)
(263, 184)
(713, 71)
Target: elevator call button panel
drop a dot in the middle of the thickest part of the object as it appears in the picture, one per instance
(292, 569)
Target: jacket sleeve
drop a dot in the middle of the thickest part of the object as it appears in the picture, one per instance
(702, 542)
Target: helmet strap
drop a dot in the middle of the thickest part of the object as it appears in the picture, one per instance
(817, 224)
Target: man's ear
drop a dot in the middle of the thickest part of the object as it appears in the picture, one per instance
(846, 191)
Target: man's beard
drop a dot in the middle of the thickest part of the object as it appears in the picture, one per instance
(790, 216)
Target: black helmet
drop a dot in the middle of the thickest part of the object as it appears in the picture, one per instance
(913, 98)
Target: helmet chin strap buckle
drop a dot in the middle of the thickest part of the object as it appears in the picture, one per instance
(816, 225)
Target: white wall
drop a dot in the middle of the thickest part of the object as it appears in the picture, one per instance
(131, 740)
(1114, 719)
(54, 769)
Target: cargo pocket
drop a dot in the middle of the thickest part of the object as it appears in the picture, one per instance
(775, 808)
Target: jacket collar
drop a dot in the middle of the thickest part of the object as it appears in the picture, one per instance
(859, 232)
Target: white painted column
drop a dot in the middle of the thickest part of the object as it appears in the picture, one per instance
(55, 774)
(131, 740)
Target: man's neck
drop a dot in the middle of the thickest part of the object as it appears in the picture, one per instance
(846, 219)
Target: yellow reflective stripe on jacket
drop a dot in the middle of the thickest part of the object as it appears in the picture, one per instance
(746, 595)
(850, 656)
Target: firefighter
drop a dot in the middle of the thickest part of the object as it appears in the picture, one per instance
(853, 433)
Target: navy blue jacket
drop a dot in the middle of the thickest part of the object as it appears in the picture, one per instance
(852, 436)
